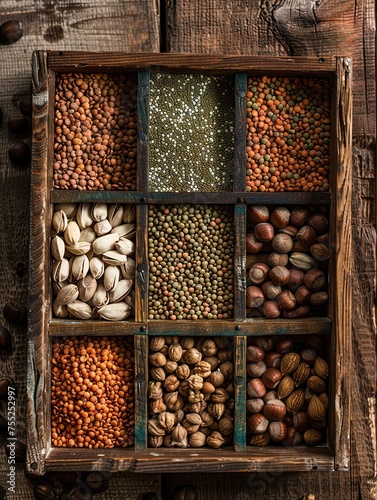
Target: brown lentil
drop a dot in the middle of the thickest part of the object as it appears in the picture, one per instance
(95, 132)
(190, 262)
(288, 134)
(85, 414)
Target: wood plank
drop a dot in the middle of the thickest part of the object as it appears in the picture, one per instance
(213, 64)
(239, 304)
(240, 344)
(166, 460)
(143, 130)
(77, 328)
(142, 268)
(305, 326)
(223, 198)
(239, 132)
(141, 382)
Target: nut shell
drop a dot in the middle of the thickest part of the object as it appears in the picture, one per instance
(274, 409)
(264, 231)
(316, 409)
(280, 217)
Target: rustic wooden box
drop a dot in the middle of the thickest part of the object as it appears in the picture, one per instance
(43, 328)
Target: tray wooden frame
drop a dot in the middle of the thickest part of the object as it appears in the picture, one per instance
(41, 456)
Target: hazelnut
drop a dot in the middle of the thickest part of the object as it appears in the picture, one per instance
(299, 216)
(274, 409)
(256, 369)
(264, 231)
(278, 431)
(252, 244)
(10, 32)
(271, 309)
(256, 388)
(257, 213)
(286, 300)
(254, 354)
(257, 423)
(282, 243)
(20, 154)
(277, 259)
(306, 236)
(258, 273)
(270, 290)
(280, 217)
(255, 405)
(254, 297)
(271, 378)
(280, 275)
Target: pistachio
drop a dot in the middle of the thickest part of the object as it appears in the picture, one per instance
(57, 247)
(80, 248)
(97, 267)
(80, 310)
(115, 312)
(88, 234)
(100, 297)
(87, 287)
(80, 267)
(83, 217)
(122, 289)
(128, 269)
(111, 278)
(60, 270)
(129, 214)
(125, 246)
(99, 211)
(59, 310)
(127, 230)
(103, 227)
(114, 258)
(72, 233)
(67, 294)
(70, 209)
(115, 214)
(59, 221)
(105, 243)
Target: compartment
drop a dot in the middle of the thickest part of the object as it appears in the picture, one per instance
(288, 250)
(191, 132)
(93, 261)
(95, 140)
(288, 134)
(191, 252)
(191, 392)
(92, 392)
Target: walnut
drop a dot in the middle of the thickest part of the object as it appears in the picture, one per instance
(224, 355)
(207, 419)
(194, 418)
(157, 406)
(171, 339)
(157, 359)
(183, 371)
(155, 390)
(217, 378)
(187, 342)
(226, 426)
(221, 342)
(192, 356)
(173, 401)
(158, 373)
(197, 439)
(184, 389)
(155, 428)
(170, 366)
(216, 410)
(213, 361)
(195, 382)
(195, 396)
(155, 441)
(215, 440)
(220, 395)
(166, 420)
(209, 347)
(171, 383)
(168, 441)
(203, 369)
(178, 434)
(190, 428)
(175, 352)
(227, 369)
(156, 343)
(197, 407)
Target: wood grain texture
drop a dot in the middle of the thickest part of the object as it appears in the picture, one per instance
(324, 28)
(62, 25)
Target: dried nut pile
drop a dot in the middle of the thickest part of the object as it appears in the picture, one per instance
(287, 261)
(92, 392)
(190, 262)
(287, 392)
(93, 267)
(288, 134)
(190, 392)
(95, 132)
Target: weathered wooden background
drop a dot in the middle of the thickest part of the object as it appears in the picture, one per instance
(321, 28)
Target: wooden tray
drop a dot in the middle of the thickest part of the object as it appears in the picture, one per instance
(43, 328)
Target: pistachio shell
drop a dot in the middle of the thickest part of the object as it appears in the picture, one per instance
(128, 269)
(125, 246)
(72, 233)
(79, 248)
(60, 270)
(99, 211)
(70, 209)
(87, 287)
(60, 311)
(88, 234)
(121, 291)
(114, 258)
(129, 214)
(115, 214)
(80, 310)
(80, 266)
(125, 230)
(301, 260)
(105, 243)
(67, 294)
(83, 217)
(111, 278)
(130, 299)
(97, 267)
(103, 227)
(58, 285)
(59, 221)
(57, 247)
(115, 312)
(100, 297)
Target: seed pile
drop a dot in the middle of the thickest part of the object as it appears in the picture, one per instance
(287, 390)
(191, 133)
(190, 262)
(190, 392)
(288, 134)
(92, 393)
(287, 261)
(95, 132)
(93, 268)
